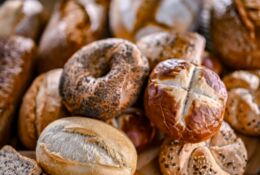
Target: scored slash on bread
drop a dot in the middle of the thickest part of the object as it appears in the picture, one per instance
(13, 163)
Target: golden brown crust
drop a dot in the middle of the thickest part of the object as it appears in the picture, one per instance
(73, 146)
(133, 19)
(211, 62)
(185, 101)
(73, 24)
(41, 105)
(21, 18)
(235, 36)
(242, 110)
(165, 45)
(103, 78)
(136, 126)
(224, 153)
(16, 56)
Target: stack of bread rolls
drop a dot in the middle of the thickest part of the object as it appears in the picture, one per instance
(113, 87)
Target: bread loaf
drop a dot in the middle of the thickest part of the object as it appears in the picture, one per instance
(85, 146)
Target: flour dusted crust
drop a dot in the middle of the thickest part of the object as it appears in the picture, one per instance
(41, 105)
(185, 101)
(242, 110)
(73, 24)
(223, 154)
(103, 78)
(85, 146)
(165, 45)
(16, 56)
(133, 19)
(235, 32)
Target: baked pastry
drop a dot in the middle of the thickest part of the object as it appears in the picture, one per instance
(211, 62)
(243, 112)
(103, 78)
(16, 55)
(252, 145)
(85, 146)
(223, 154)
(235, 32)
(21, 18)
(136, 126)
(73, 24)
(11, 163)
(164, 45)
(133, 19)
(185, 101)
(41, 105)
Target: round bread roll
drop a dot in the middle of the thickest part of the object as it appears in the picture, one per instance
(164, 45)
(21, 18)
(243, 112)
(235, 32)
(133, 19)
(73, 24)
(185, 101)
(223, 154)
(41, 105)
(136, 126)
(85, 146)
(103, 78)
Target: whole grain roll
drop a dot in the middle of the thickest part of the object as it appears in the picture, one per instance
(85, 146)
(133, 19)
(73, 24)
(185, 101)
(16, 57)
(243, 112)
(41, 105)
(235, 33)
(165, 45)
(223, 154)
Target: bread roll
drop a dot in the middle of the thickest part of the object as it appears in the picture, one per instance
(185, 101)
(16, 56)
(73, 24)
(242, 110)
(133, 19)
(211, 62)
(235, 32)
(136, 126)
(164, 45)
(21, 18)
(223, 154)
(41, 105)
(85, 146)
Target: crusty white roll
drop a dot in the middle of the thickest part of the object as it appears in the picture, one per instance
(243, 112)
(41, 105)
(85, 146)
(223, 154)
(132, 19)
(185, 101)
(165, 45)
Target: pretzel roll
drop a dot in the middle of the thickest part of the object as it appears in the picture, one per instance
(223, 154)
(103, 78)
(185, 101)
(243, 112)
(85, 146)
(235, 32)
(165, 45)
(133, 19)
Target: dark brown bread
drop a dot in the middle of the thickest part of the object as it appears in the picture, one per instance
(103, 79)
(73, 24)
(16, 56)
(13, 163)
(185, 101)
